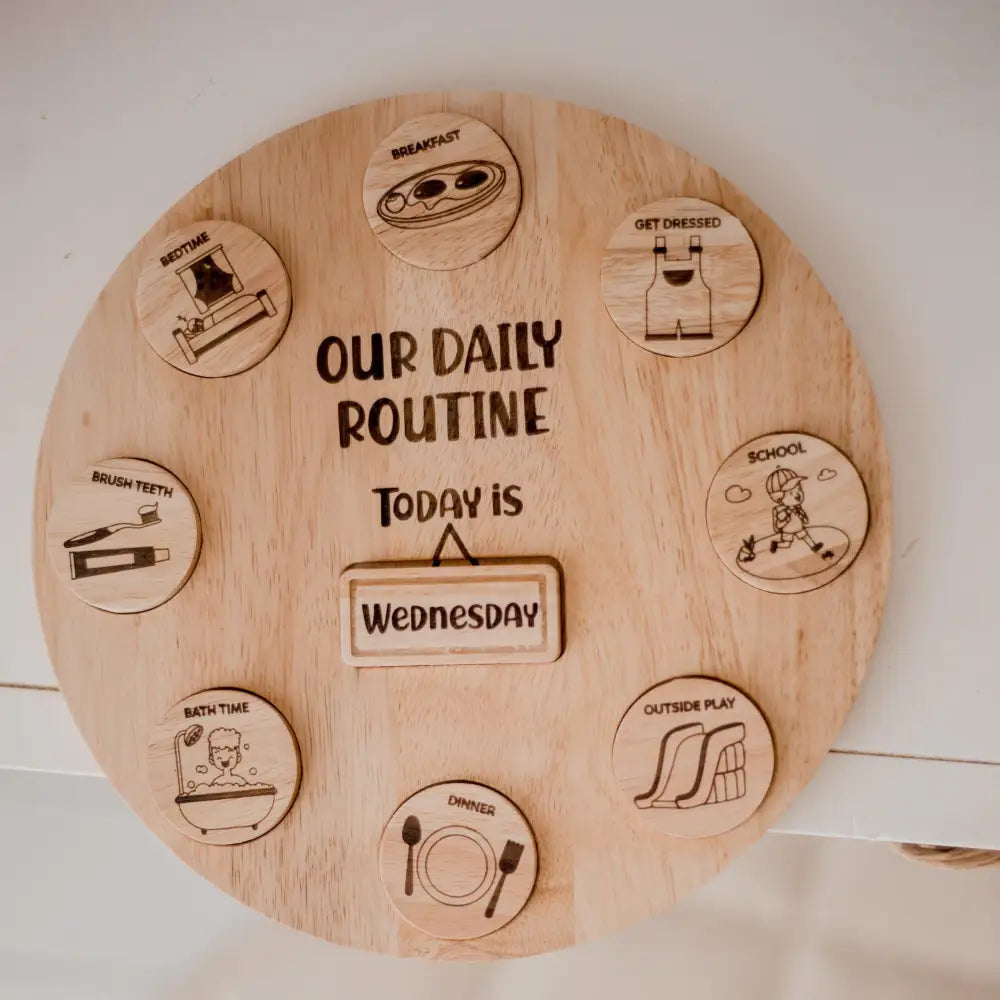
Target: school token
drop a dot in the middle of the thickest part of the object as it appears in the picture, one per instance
(213, 299)
(681, 276)
(123, 535)
(694, 757)
(223, 766)
(442, 191)
(458, 860)
(787, 512)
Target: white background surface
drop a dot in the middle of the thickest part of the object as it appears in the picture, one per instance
(868, 131)
(103, 911)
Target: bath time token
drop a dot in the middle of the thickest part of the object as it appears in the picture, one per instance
(123, 534)
(681, 276)
(787, 512)
(223, 766)
(442, 191)
(693, 756)
(458, 860)
(214, 299)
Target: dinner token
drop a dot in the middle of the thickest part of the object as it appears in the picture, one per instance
(458, 860)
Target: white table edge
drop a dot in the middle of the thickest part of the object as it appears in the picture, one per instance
(865, 796)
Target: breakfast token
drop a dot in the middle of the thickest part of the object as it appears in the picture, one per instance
(787, 512)
(442, 191)
(213, 299)
(223, 766)
(681, 276)
(458, 860)
(693, 756)
(123, 535)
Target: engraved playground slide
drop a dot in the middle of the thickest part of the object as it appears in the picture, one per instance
(696, 768)
(677, 768)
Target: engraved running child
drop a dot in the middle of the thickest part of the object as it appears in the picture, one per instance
(789, 519)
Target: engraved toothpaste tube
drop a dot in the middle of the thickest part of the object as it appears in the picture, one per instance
(95, 562)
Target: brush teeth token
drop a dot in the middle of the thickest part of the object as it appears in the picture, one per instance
(123, 535)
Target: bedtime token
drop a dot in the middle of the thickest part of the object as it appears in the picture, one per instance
(214, 299)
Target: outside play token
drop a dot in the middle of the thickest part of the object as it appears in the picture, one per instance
(694, 757)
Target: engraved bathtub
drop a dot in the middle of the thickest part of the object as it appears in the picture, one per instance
(227, 807)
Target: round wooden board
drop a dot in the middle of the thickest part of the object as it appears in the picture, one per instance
(614, 491)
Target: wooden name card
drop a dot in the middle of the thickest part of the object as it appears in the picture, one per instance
(418, 614)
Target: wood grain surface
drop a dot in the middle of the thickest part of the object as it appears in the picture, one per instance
(611, 482)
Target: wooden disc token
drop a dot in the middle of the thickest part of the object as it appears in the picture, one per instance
(681, 276)
(787, 512)
(694, 757)
(223, 766)
(442, 191)
(213, 299)
(458, 860)
(123, 535)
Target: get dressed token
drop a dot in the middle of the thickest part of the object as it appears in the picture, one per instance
(681, 276)
(787, 512)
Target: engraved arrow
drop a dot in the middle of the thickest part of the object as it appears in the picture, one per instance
(450, 530)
